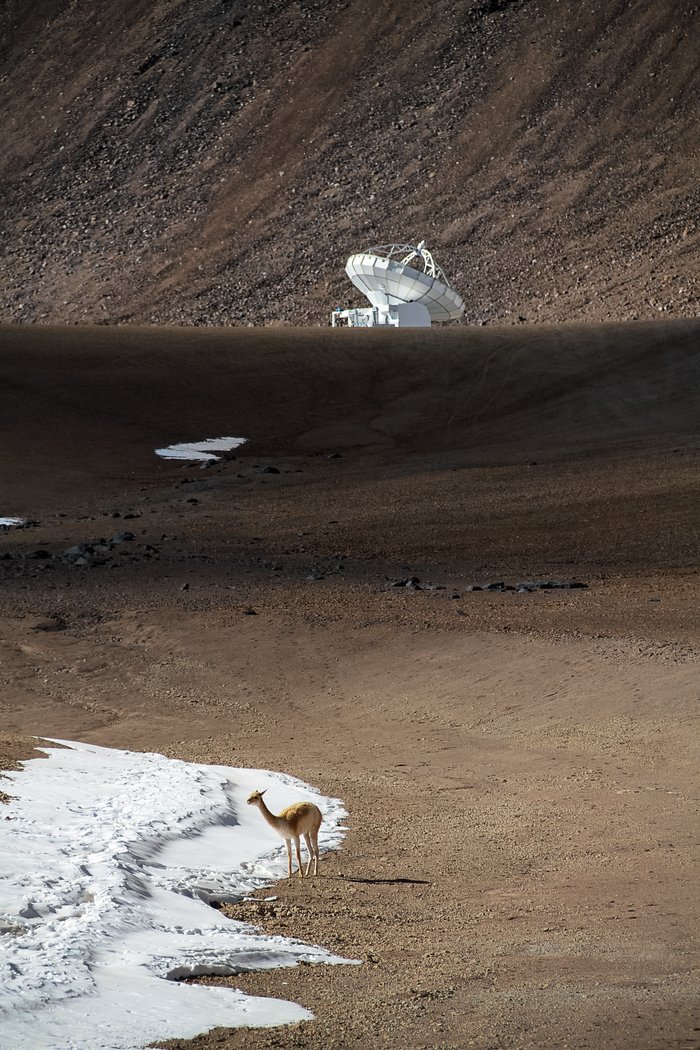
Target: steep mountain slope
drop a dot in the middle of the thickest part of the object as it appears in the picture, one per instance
(214, 161)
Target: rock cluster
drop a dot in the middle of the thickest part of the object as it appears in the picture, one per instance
(100, 552)
(525, 586)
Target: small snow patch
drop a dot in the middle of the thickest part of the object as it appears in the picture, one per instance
(8, 523)
(200, 450)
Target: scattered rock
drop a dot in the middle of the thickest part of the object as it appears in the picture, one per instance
(77, 550)
(527, 586)
(269, 470)
(123, 537)
(250, 611)
(412, 583)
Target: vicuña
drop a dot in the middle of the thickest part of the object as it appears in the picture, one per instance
(301, 818)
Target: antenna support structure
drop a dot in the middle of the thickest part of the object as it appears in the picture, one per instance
(405, 286)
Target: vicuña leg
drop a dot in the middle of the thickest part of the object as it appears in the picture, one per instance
(314, 840)
(307, 840)
(288, 843)
(297, 843)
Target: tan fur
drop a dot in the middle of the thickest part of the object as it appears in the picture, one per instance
(299, 819)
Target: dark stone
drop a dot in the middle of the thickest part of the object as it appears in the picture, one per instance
(250, 611)
(334, 455)
(147, 63)
(500, 586)
(123, 537)
(192, 499)
(269, 470)
(565, 585)
(132, 514)
(474, 587)
(185, 587)
(40, 554)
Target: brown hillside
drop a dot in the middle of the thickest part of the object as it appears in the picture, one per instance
(214, 161)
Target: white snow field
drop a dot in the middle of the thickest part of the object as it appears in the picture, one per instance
(107, 861)
(200, 450)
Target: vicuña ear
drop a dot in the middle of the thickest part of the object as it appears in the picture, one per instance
(261, 793)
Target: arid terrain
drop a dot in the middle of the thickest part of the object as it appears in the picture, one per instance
(519, 765)
(452, 576)
(207, 162)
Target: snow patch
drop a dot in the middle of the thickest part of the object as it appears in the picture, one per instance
(107, 861)
(200, 450)
(9, 522)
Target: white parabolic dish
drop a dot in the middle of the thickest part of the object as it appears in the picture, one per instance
(403, 273)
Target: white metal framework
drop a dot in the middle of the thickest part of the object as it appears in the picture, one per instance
(405, 286)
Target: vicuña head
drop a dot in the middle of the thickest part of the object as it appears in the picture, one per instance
(299, 819)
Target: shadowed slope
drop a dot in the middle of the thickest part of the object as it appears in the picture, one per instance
(88, 406)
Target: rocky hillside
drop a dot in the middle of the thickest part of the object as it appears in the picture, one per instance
(214, 161)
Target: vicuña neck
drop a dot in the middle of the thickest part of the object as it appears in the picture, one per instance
(270, 817)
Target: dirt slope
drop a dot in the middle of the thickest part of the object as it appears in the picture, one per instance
(214, 162)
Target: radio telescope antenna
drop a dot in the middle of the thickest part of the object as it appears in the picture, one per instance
(405, 286)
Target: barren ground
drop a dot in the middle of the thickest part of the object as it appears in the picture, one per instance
(520, 769)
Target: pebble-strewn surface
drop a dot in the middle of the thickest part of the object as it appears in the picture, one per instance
(216, 162)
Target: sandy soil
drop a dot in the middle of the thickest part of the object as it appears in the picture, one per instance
(520, 769)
